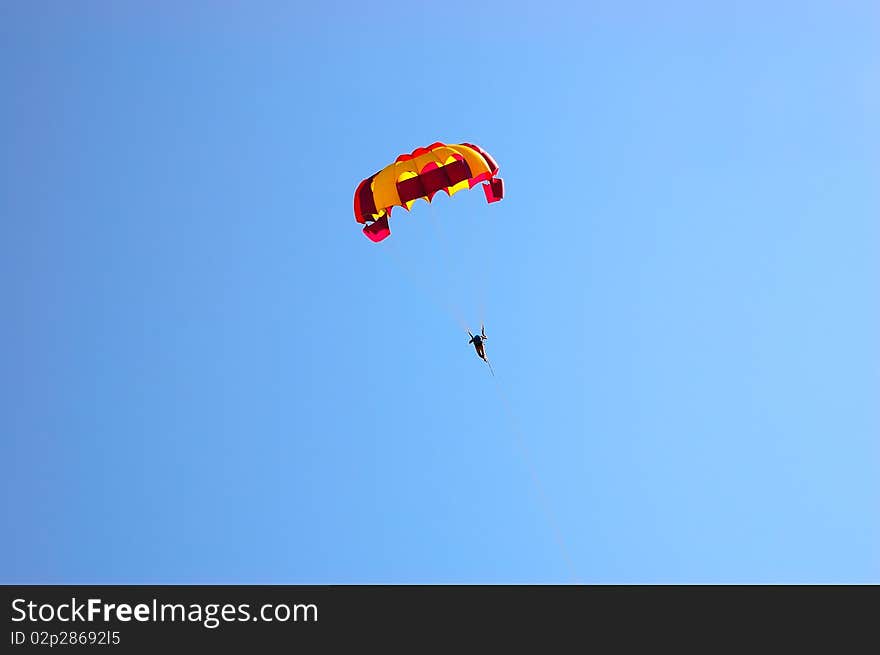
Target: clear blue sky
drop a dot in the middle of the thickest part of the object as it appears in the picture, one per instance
(209, 375)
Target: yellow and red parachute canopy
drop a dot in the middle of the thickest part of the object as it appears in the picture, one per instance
(421, 174)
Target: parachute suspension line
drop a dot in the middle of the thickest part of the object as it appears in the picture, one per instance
(425, 290)
(489, 265)
(479, 268)
(484, 281)
(446, 256)
(543, 499)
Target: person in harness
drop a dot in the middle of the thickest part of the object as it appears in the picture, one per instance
(478, 345)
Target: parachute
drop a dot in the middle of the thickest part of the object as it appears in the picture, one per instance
(421, 174)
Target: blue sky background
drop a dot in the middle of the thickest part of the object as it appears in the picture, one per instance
(210, 376)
